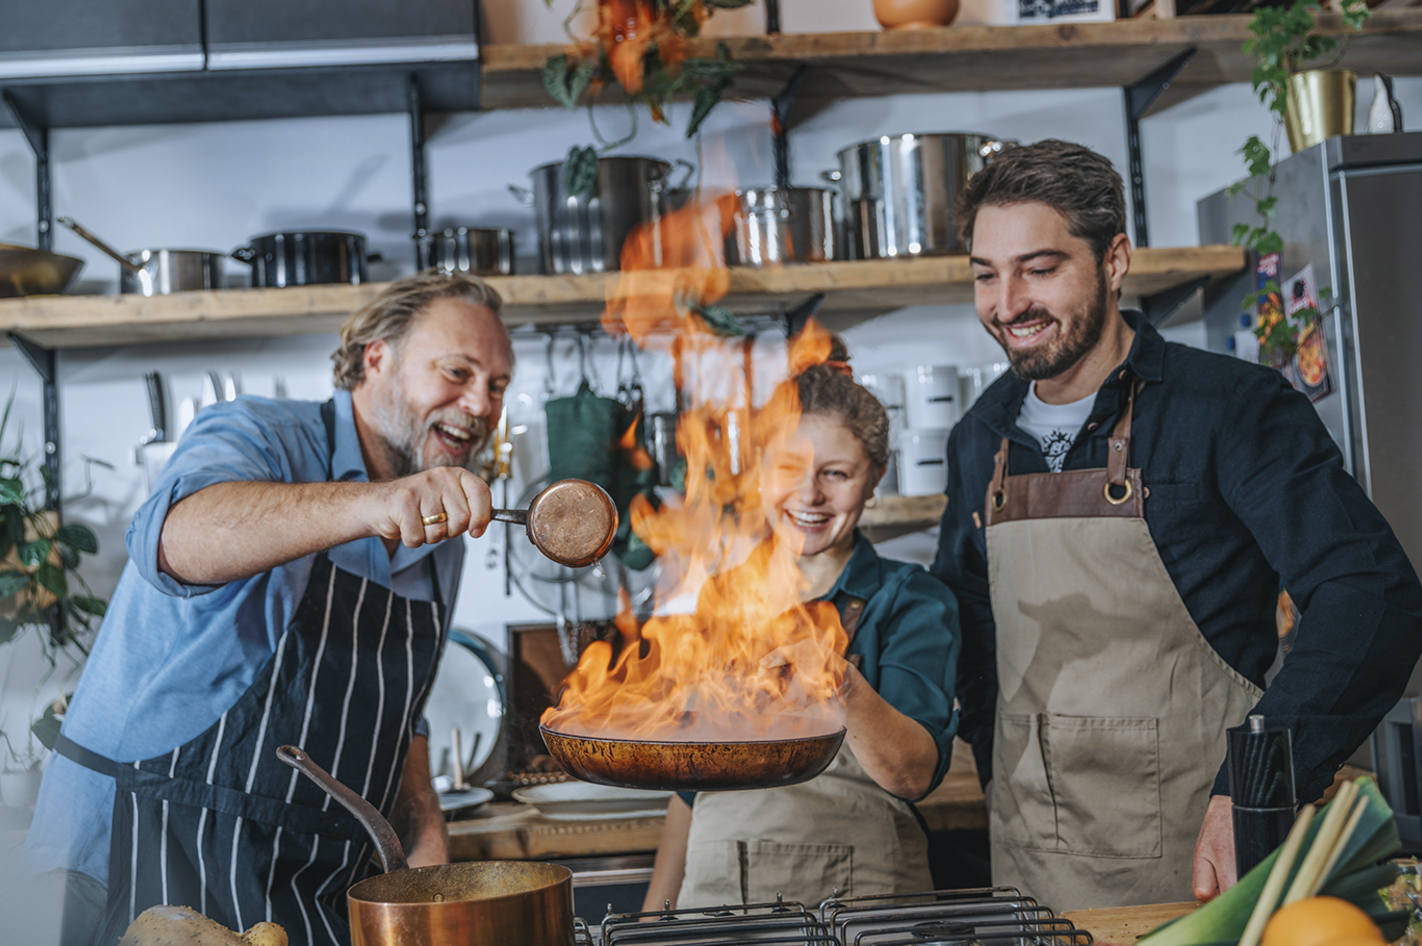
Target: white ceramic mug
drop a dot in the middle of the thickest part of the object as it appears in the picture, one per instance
(923, 462)
(889, 389)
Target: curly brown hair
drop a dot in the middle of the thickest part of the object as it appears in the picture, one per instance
(1073, 180)
(391, 315)
(826, 389)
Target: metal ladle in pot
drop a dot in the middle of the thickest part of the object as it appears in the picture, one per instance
(572, 522)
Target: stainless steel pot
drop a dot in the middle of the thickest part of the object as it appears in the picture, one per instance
(305, 258)
(898, 192)
(160, 272)
(472, 252)
(584, 233)
(783, 225)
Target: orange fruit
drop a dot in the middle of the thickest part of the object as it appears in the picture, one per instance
(1321, 921)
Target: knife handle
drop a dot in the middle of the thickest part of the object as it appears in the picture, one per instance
(156, 407)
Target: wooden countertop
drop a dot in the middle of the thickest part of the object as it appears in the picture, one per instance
(1122, 926)
(512, 831)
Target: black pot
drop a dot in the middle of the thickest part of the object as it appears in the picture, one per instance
(305, 258)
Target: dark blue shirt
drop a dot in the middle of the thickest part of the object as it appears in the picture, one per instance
(1246, 492)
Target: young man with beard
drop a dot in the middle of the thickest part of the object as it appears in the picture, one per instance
(1121, 514)
(290, 582)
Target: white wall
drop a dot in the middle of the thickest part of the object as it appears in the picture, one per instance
(215, 185)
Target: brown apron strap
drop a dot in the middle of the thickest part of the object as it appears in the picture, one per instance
(849, 619)
(1119, 454)
(996, 493)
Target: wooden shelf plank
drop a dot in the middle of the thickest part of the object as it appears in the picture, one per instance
(892, 511)
(982, 58)
(853, 291)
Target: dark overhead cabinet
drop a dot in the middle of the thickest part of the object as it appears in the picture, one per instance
(285, 34)
(54, 38)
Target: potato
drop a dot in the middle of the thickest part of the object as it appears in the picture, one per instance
(184, 926)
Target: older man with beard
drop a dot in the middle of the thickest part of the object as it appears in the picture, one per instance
(290, 581)
(1121, 514)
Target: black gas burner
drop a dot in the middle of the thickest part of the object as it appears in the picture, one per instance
(984, 917)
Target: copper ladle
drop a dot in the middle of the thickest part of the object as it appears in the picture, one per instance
(572, 522)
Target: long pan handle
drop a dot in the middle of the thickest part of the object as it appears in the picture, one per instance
(387, 842)
(123, 261)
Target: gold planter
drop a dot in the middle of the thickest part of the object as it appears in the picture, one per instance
(1320, 106)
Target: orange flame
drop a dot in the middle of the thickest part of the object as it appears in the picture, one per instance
(731, 652)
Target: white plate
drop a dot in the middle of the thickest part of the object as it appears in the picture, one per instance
(468, 798)
(583, 801)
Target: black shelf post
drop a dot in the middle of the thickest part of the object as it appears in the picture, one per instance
(1139, 98)
(38, 137)
(43, 361)
(417, 171)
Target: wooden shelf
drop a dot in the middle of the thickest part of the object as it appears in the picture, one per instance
(853, 292)
(982, 58)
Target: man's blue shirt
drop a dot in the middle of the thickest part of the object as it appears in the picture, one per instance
(169, 657)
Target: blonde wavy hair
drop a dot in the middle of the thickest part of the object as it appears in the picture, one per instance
(390, 316)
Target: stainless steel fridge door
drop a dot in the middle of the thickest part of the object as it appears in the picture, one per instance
(1378, 234)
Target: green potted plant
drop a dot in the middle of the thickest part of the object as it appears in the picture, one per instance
(1284, 42)
(40, 589)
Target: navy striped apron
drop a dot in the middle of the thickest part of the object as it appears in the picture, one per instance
(220, 825)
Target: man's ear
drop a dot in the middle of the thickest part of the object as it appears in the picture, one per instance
(1117, 261)
(376, 357)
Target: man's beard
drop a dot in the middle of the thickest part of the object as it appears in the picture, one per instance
(1039, 364)
(403, 434)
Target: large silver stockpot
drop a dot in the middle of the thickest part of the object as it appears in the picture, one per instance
(473, 252)
(782, 225)
(583, 233)
(898, 192)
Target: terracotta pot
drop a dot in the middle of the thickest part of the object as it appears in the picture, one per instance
(914, 14)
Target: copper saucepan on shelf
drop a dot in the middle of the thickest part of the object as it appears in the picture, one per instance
(450, 904)
(693, 766)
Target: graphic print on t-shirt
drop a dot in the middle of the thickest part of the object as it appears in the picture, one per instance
(1053, 426)
(1055, 444)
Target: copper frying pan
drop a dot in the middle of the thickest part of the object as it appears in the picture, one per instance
(450, 904)
(693, 766)
(29, 272)
(572, 522)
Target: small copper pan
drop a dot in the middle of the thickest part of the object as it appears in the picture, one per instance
(572, 522)
(481, 902)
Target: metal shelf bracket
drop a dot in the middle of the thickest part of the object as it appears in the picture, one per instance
(1138, 100)
(418, 173)
(1161, 306)
(780, 108)
(43, 361)
(38, 137)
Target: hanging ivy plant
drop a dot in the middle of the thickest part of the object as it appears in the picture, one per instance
(642, 47)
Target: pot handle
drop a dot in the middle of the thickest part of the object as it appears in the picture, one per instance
(990, 149)
(123, 260)
(376, 257)
(522, 194)
(831, 177)
(687, 169)
(387, 842)
(244, 254)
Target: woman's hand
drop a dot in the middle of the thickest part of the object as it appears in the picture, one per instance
(791, 670)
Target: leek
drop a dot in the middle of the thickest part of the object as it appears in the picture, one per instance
(1356, 875)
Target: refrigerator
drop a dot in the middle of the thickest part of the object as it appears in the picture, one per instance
(1351, 206)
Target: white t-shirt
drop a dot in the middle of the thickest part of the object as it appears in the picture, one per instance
(1054, 425)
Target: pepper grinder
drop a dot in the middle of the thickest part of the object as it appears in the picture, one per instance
(1261, 782)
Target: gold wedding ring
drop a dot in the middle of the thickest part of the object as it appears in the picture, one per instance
(436, 519)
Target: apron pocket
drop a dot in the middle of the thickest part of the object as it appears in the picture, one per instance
(1105, 772)
(753, 871)
(1023, 814)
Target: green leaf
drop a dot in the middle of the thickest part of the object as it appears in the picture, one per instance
(8, 629)
(12, 583)
(15, 524)
(79, 537)
(52, 578)
(46, 728)
(720, 320)
(1266, 205)
(705, 99)
(1241, 230)
(580, 171)
(565, 81)
(32, 553)
(12, 492)
(710, 70)
(1269, 242)
(90, 605)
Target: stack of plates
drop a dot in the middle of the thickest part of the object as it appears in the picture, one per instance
(583, 801)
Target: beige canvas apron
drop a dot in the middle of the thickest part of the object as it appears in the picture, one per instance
(839, 833)
(1112, 707)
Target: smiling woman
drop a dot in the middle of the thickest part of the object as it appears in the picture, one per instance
(851, 829)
